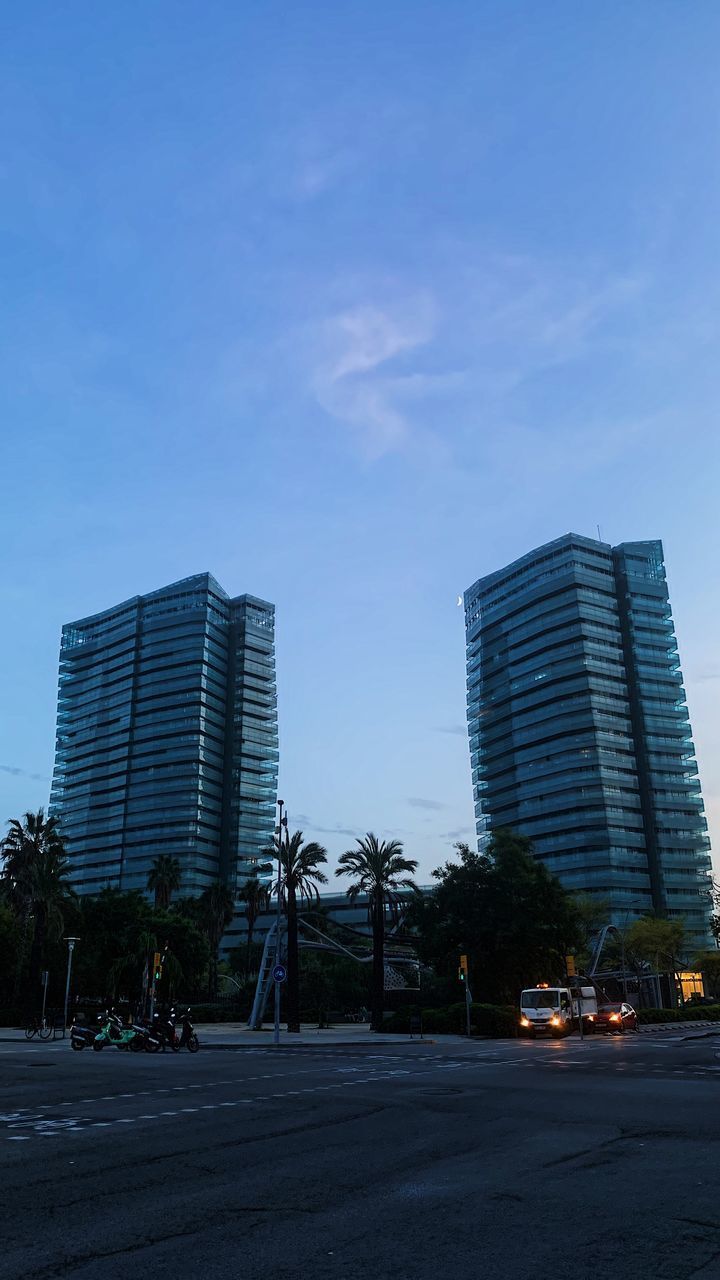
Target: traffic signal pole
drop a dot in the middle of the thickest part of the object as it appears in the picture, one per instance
(156, 976)
(463, 976)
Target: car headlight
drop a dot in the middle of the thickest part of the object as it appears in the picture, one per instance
(555, 1021)
(614, 1017)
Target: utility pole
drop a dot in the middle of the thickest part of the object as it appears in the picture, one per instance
(71, 947)
(278, 920)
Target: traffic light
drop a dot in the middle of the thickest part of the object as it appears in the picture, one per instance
(157, 967)
(463, 970)
(570, 967)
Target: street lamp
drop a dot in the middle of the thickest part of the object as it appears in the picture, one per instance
(281, 823)
(71, 947)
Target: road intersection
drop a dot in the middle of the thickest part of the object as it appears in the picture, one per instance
(355, 1162)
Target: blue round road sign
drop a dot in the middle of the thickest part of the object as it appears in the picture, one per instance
(279, 973)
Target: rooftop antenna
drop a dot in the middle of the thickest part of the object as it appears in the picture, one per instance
(599, 533)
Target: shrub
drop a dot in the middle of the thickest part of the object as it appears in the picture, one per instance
(485, 1020)
(688, 1013)
(12, 1018)
(494, 1020)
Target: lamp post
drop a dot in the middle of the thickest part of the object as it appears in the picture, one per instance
(71, 947)
(282, 822)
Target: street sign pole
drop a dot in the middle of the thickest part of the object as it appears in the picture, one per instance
(45, 977)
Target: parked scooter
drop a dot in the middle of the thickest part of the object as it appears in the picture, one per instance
(151, 1042)
(81, 1037)
(164, 1028)
(188, 1038)
(114, 1031)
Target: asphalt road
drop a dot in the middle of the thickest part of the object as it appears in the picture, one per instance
(487, 1160)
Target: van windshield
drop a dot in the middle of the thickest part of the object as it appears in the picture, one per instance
(540, 999)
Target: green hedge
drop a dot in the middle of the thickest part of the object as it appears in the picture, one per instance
(214, 1013)
(485, 1020)
(688, 1013)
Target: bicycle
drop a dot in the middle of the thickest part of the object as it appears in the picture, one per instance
(38, 1027)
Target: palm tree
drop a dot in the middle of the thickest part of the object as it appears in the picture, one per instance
(300, 874)
(164, 878)
(255, 894)
(217, 907)
(35, 876)
(379, 870)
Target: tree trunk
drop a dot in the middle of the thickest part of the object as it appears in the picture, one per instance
(377, 1001)
(293, 962)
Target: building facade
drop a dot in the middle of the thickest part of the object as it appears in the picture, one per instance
(167, 737)
(579, 731)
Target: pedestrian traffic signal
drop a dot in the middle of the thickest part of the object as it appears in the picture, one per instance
(463, 970)
(157, 967)
(570, 967)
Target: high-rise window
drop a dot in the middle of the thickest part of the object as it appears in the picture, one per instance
(167, 737)
(579, 730)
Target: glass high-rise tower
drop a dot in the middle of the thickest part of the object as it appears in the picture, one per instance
(579, 730)
(167, 737)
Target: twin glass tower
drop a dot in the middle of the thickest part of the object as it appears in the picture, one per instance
(167, 738)
(579, 730)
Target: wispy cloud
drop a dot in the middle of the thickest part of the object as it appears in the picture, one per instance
(419, 802)
(459, 833)
(459, 730)
(409, 365)
(16, 772)
(353, 382)
(337, 830)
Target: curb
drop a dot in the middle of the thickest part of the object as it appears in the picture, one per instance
(656, 1027)
(326, 1044)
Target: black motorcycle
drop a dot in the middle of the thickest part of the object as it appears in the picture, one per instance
(164, 1028)
(188, 1037)
(147, 1038)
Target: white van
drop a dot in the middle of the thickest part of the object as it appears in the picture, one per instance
(556, 1010)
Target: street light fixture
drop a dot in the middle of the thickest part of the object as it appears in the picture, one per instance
(282, 822)
(71, 947)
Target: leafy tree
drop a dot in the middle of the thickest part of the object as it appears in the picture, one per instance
(216, 909)
(502, 909)
(300, 874)
(255, 893)
(163, 879)
(10, 944)
(119, 931)
(714, 896)
(708, 963)
(656, 942)
(36, 880)
(380, 869)
(592, 913)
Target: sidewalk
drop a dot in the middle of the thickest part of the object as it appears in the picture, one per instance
(235, 1035)
(221, 1035)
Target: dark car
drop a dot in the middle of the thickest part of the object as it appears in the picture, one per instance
(616, 1018)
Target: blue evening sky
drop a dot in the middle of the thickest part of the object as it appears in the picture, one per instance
(350, 304)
